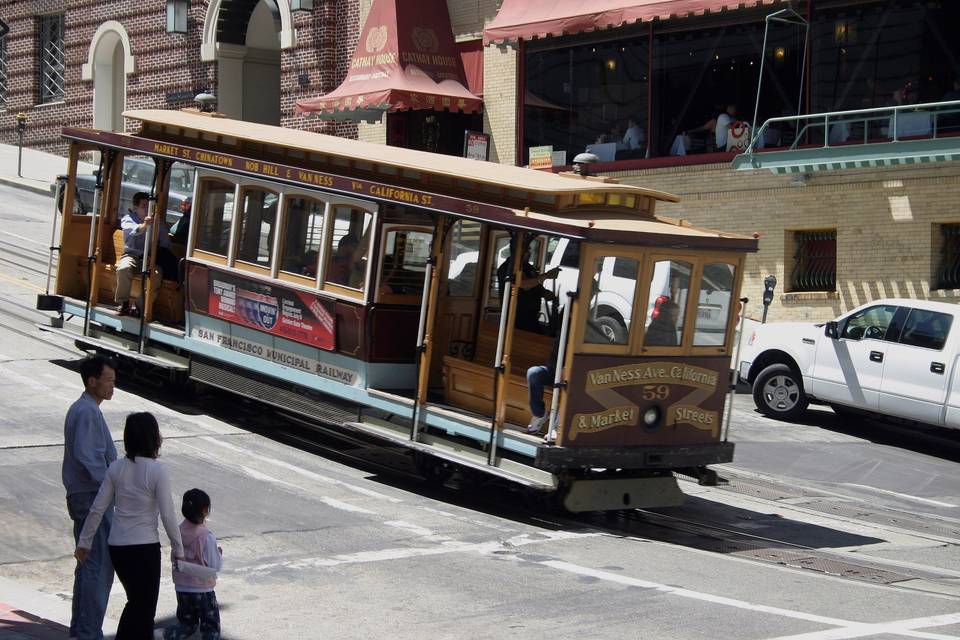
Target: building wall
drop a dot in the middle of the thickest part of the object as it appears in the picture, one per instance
(886, 221)
(166, 63)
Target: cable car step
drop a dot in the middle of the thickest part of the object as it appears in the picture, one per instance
(455, 453)
(119, 346)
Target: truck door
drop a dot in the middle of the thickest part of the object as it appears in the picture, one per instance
(918, 368)
(849, 370)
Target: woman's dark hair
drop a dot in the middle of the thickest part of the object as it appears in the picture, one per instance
(195, 503)
(141, 435)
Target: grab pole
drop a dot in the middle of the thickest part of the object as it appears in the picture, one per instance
(61, 186)
(421, 347)
(558, 382)
(94, 219)
(735, 372)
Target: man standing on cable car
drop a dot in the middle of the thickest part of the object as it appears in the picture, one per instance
(134, 225)
(530, 291)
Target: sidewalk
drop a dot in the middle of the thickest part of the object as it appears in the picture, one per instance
(38, 169)
(29, 614)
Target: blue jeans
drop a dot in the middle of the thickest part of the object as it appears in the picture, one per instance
(537, 378)
(93, 578)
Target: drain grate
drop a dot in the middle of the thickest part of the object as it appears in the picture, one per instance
(802, 559)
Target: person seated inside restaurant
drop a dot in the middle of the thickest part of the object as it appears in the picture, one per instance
(724, 123)
(634, 141)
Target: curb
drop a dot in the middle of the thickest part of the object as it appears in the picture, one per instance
(17, 184)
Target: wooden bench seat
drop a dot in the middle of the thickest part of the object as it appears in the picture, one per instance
(169, 302)
(469, 384)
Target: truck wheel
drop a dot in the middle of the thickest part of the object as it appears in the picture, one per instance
(778, 392)
(613, 329)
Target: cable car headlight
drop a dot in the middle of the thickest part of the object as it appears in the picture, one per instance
(651, 417)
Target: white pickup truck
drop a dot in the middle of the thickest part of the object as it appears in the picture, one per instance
(893, 357)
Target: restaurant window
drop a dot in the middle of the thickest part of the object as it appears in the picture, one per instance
(714, 304)
(256, 226)
(215, 216)
(705, 86)
(405, 256)
(947, 270)
(302, 236)
(584, 97)
(51, 58)
(881, 55)
(464, 258)
(349, 246)
(667, 303)
(814, 259)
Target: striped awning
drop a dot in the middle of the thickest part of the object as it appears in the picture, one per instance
(529, 19)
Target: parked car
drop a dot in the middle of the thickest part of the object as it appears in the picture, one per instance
(138, 176)
(892, 358)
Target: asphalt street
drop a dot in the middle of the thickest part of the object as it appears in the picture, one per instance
(830, 528)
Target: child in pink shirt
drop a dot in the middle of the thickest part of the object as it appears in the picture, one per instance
(196, 575)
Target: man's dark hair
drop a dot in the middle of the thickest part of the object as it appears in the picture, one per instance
(141, 435)
(92, 367)
(195, 504)
(139, 197)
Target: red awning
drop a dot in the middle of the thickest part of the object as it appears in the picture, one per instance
(405, 59)
(528, 19)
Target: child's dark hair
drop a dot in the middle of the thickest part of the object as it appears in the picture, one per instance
(195, 504)
(141, 435)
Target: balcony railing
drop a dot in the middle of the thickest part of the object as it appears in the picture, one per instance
(857, 134)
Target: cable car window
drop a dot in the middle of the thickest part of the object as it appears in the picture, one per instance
(215, 216)
(405, 255)
(302, 236)
(347, 265)
(713, 307)
(256, 226)
(669, 286)
(464, 258)
(502, 264)
(611, 301)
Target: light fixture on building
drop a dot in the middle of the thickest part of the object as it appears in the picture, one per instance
(207, 102)
(779, 54)
(305, 6)
(177, 15)
(611, 64)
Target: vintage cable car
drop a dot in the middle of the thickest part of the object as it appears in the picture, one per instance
(406, 295)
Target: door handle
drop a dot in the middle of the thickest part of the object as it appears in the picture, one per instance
(937, 367)
(876, 356)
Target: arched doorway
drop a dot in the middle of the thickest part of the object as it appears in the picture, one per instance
(109, 61)
(245, 38)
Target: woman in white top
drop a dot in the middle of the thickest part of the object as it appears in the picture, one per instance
(141, 487)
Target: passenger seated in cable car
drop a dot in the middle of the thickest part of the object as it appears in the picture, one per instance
(662, 331)
(346, 268)
(531, 291)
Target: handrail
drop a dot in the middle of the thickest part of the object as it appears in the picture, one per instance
(894, 130)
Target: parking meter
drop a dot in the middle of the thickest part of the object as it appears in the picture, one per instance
(21, 119)
(769, 284)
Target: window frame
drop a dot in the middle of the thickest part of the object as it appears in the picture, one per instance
(647, 258)
(282, 214)
(397, 298)
(240, 214)
(330, 202)
(44, 43)
(329, 221)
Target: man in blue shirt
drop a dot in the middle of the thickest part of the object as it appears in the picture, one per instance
(88, 451)
(134, 224)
